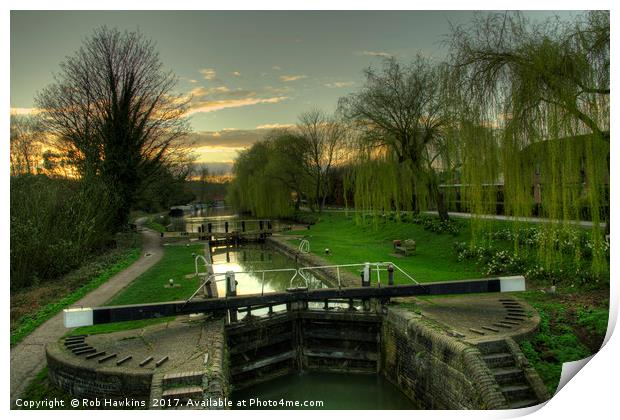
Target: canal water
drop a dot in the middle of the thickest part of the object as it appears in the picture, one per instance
(335, 391)
(253, 261)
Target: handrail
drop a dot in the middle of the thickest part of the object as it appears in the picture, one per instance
(214, 278)
(207, 263)
(301, 272)
(232, 224)
(304, 246)
(379, 266)
(198, 289)
(401, 270)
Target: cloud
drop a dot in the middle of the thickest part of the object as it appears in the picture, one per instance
(274, 126)
(230, 138)
(339, 84)
(292, 78)
(276, 68)
(203, 91)
(215, 167)
(193, 81)
(223, 146)
(219, 104)
(376, 54)
(210, 99)
(208, 74)
(24, 111)
(236, 73)
(233, 139)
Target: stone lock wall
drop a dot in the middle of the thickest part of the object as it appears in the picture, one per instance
(215, 380)
(437, 371)
(83, 381)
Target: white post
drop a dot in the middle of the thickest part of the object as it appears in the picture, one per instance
(231, 284)
(366, 275)
(231, 290)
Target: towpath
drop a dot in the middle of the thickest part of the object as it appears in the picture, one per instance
(582, 223)
(28, 357)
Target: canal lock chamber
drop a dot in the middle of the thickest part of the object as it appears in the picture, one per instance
(332, 356)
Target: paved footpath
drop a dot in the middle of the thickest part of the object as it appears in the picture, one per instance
(28, 357)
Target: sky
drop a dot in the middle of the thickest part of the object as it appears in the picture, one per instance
(247, 72)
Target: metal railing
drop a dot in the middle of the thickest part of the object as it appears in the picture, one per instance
(225, 226)
(207, 264)
(378, 268)
(302, 273)
(218, 277)
(304, 246)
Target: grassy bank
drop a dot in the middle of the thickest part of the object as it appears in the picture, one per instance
(153, 286)
(42, 390)
(32, 307)
(573, 326)
(435, 259)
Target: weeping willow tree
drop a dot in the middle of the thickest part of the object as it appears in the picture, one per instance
(534, 117)
(379, 182)
(403, 148)
(269, 179)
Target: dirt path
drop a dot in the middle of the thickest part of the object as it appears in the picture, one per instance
(28, 357)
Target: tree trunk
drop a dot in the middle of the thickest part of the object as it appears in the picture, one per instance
(298, 201)
(442, 208)
(440, 199)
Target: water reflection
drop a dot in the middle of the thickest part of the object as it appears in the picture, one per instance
(252, 259)
(249, 263)
(216, 216)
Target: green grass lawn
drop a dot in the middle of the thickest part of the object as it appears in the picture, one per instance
(151, 285)
(435, 259)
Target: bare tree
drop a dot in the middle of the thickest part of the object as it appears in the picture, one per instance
(26, 139)
(114, 113)
(399, 108)
(323, 139)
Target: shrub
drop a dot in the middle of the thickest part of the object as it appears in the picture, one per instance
(55, 223)
(305, 218)
(495, 261)
(569, 241)
(436, 225)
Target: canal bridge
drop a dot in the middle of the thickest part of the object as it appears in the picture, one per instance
(226, 232)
